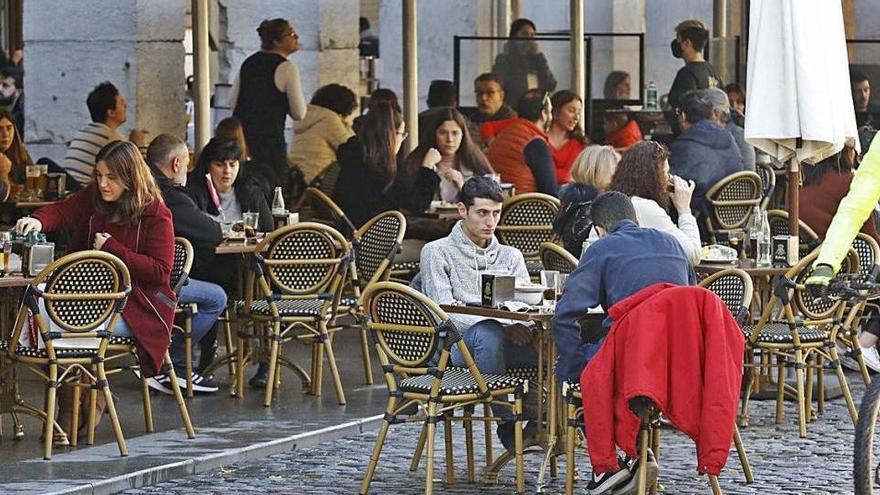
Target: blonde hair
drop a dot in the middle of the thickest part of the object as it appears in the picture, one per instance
(595, 166)
(125, 161)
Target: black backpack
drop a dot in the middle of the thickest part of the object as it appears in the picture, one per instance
(573, 224)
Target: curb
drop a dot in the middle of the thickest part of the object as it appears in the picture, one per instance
(201, 464)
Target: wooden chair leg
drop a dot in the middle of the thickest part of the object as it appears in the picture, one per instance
(241, 360)
(274, 344)
(799, 373)
(713, 482)
(365, 352)
(420, 448)
(820, 401)
(48, 430)
(187, 354)
(655, 448)
(747, 394)
(643, 452)
(469, 443)
(111, 410)
(334, 371)
(92, 420)
(844, 386)
(374, 457)
(73, 431)
(570, 432)
(148, 405)
(780, 389)
(490, 453)
(429, 457)
(808, 390)
(181, 404)
(450, 460)
(518, 444)
(743, 457)
(228, 326)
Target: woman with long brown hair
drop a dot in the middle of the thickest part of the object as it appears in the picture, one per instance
(121, 211)
(643, 175)
(14, 157)
(446, 145)
(370, 180)
(566, 137)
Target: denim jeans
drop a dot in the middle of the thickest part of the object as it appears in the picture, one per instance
(211, 301)
(493, 354)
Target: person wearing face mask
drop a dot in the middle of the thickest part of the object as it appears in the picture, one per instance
(566, 137)
(451, 270)
(521, 152)
(522, 66)
(691, 37)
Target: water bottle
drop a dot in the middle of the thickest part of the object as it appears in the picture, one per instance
(651, 96)
(764, 244)
(278, 207)
(755, 231)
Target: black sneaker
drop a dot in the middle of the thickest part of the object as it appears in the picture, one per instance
(161, 383)
(261, 379)
(200, 383)
(631, 486)
(609, 480)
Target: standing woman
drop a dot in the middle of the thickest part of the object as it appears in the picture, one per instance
(446, 146)
(267, 90)
(121, 212)
(643, 175)
(567, 139)
(14, 158)
(522, 66)
(370, 180)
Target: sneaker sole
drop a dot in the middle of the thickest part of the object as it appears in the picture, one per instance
(196, 387)
(609, 485)
(159, 386)
(632, 486)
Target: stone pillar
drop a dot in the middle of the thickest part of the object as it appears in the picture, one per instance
(328, 38)
(73, 46)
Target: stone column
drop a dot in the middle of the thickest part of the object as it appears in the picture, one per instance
(70, 47)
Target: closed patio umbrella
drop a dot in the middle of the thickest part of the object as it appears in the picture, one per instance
(799, 105)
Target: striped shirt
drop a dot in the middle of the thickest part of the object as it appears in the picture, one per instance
(79, 161)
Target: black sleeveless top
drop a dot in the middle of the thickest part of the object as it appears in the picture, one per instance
(261, 107)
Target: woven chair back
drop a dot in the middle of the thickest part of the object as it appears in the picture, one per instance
(305, 258)
(404, 323)
(733, 198)
(183, 260)
(734, 287)
(527, 221)
(555, 257)
(778, 220)
(377, 244)
(82, 289)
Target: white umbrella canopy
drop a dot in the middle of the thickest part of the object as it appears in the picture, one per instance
(799, 102)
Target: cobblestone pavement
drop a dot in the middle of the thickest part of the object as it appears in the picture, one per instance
(782, 463)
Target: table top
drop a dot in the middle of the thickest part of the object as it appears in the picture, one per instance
(235, 247)
(15, 280)
(747, 266)
(537, 316)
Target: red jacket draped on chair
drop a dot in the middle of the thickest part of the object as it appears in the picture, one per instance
(681, 348)
(146, 247)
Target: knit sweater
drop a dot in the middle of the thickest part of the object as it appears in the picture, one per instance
(451, 270)
(315, 140)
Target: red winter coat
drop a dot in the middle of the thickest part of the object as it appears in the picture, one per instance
(678, 346)
(146, 247)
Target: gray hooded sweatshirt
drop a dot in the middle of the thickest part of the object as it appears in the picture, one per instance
(451, 268)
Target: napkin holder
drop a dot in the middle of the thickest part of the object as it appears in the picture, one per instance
(496, 289)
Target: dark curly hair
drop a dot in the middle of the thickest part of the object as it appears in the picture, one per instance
(640, 173)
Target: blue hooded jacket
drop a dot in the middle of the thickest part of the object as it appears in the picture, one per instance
(615, 267)
(705, 154)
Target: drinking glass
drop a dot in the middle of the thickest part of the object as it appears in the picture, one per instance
(42, 180)
(251, 221)
(550, 281)
(563, 279)
(32, 172)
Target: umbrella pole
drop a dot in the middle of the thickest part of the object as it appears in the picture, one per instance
(793, 210)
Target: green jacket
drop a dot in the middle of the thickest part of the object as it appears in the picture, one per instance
(854, 210)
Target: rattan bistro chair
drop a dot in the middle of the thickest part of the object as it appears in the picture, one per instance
(526, 222)
(299, 272)
(801, 343)
(869, 256)
(730, 202)
(83, 296)
(414, 339)
(375, 245)
(768, 183)
(555, 257)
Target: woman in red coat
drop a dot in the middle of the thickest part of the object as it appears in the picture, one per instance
(121, 212)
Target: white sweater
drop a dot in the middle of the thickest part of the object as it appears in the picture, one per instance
(651, 215)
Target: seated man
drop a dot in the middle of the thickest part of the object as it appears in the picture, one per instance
(168, 156)
(621, 132)
(521, 152)
(625, 260)
(450, 272)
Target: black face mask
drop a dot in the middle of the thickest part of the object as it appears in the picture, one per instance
(676, 48)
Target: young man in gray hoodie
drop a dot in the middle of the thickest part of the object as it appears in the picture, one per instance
(451, 270)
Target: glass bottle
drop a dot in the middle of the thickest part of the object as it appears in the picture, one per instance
(765, 242)
(754, 231)
(651, 97)
(278, 207)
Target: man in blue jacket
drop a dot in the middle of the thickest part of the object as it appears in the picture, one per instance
(704, 152)
(625, 260)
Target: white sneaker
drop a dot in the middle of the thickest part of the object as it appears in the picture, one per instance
(872, 358)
